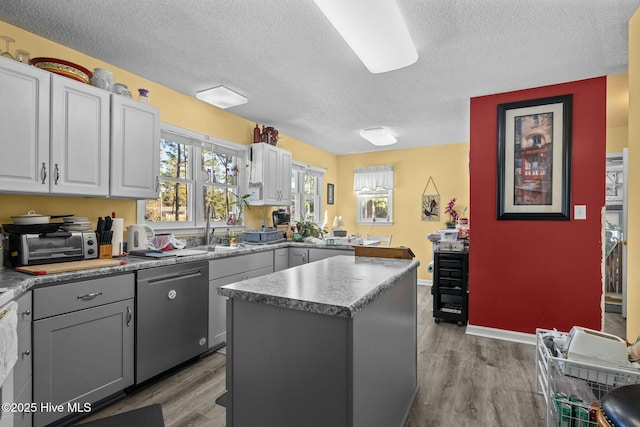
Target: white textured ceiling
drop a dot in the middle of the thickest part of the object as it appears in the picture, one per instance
(303, 79)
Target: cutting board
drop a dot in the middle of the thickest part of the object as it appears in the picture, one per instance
(64, 267)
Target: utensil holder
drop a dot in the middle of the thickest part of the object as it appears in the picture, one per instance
(105, 251)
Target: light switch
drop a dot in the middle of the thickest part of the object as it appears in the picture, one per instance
(580, 212)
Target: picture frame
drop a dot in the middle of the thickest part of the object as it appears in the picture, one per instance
(430, 210)
(534, 159)
(330, 194)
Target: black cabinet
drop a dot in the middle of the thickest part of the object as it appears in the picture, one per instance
(450, 287)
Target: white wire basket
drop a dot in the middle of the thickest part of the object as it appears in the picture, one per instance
(573, 390)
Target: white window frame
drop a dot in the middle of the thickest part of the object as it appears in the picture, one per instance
(375, 220)
(378, 177)
(197, 142)
(298, 171)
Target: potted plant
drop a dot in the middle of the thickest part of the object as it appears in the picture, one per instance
(240, 203)
(453, 214)
(310, 229)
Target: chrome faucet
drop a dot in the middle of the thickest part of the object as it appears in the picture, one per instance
(207, 234)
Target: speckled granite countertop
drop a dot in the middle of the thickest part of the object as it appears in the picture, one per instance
(22, 282)
(338, 286)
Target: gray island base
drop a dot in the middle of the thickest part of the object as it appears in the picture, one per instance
(329, 343)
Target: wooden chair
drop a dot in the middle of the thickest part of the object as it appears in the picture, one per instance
(381, 239)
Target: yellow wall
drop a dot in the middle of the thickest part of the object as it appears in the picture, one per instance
(633, 236)
(617, 139)
(617, 112)
(447, 164)
(176, 108)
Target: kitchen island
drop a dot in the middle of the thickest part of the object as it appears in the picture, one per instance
(330, 343)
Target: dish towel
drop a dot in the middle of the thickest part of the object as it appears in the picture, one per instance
(8, 339)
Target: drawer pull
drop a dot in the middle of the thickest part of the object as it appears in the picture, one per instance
(129, 316)
(89, 296)
(26, 353)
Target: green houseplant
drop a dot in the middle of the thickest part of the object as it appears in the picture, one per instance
(307, 228)
(240, 203)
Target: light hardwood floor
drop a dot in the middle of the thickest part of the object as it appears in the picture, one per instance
(464, 380)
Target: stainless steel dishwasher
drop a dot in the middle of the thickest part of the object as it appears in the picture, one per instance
(172, 317)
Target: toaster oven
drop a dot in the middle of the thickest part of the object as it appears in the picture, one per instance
(47, 248)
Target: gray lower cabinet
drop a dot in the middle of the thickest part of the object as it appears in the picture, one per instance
(299, 256)
(318, 254)
(20, 389)
(224, 271)
(280, 259)
(83, 341)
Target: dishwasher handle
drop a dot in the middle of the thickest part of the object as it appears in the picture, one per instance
(181, 275)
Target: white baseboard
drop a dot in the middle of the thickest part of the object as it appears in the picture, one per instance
(501, 334)
(425, 282)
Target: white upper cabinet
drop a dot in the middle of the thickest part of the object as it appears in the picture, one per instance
(24, 128)
(79, 138)
(61, 136)
(270, 179)
(135, 149)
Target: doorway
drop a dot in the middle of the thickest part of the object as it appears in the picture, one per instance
(614, 224)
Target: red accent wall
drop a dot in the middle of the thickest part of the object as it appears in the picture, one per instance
(525, 275)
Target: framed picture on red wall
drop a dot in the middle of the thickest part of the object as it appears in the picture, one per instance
(534, 159)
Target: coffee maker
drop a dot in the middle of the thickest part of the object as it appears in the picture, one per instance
(280, 217)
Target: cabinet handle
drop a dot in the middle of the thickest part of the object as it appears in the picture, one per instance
(129, 316)
(157, 183)
(26, 313)
(26, 353)
(89, 296)
(304, 258)
(57, 175)
(43, 173)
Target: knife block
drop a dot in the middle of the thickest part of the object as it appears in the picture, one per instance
(105, 251)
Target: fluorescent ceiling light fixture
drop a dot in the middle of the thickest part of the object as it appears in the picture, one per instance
(374, 30)
(221, 97)
(378, 136)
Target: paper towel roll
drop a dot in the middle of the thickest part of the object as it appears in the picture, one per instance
(117, 239)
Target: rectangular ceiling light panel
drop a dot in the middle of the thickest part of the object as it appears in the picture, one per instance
(378, 136)
(221, 97)
(375, 30)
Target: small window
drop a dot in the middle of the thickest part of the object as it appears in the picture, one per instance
(195, 171)
(176, 184)
(306, 193)
(221, 185)
(374, 188)
(374, 206)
